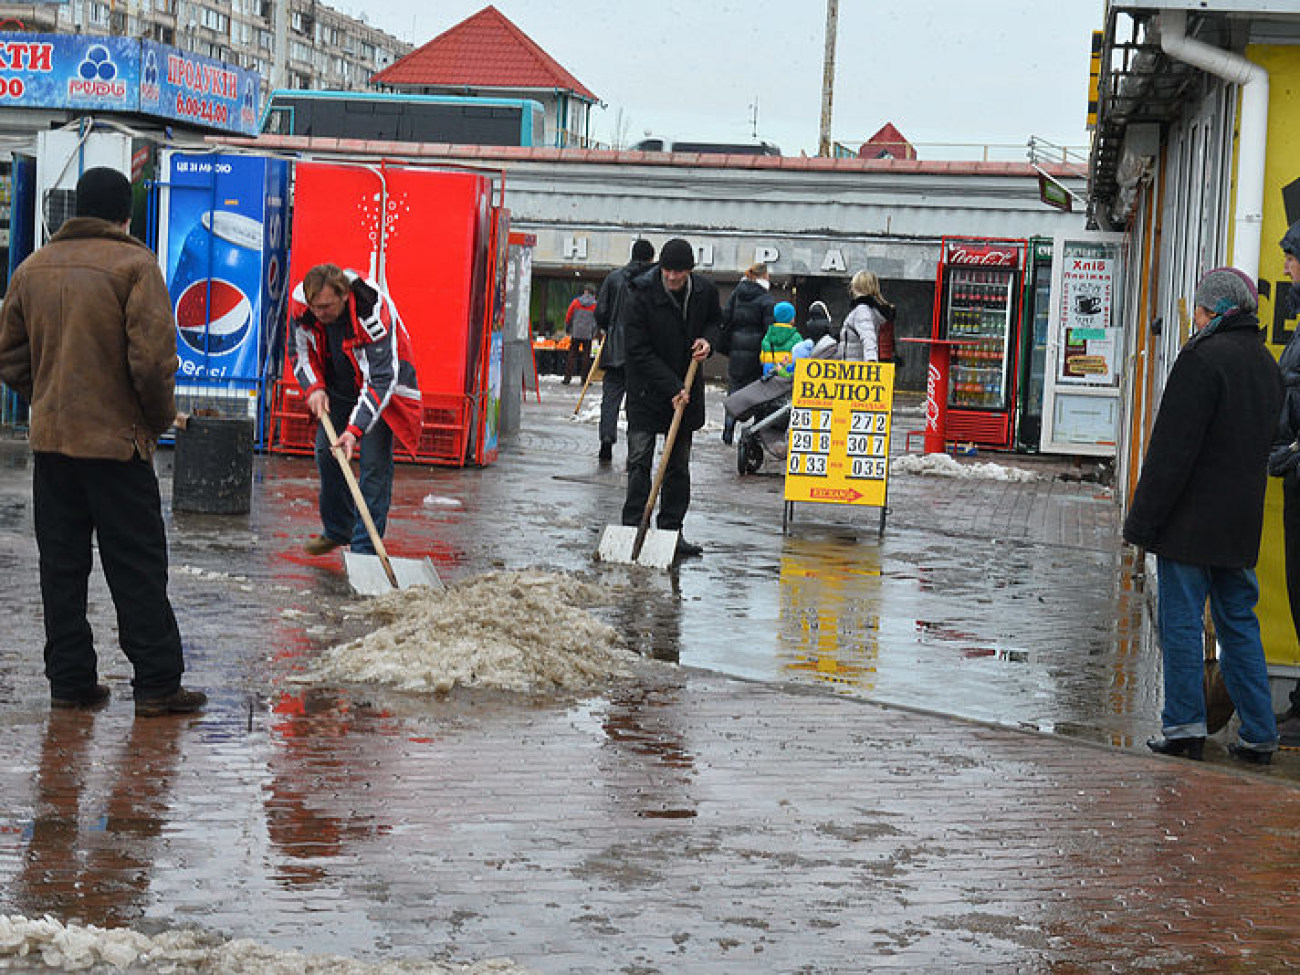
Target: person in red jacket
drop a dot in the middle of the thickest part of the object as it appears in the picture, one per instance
(580, 323)
(352, 356)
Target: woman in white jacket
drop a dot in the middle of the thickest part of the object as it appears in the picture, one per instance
(858, 334)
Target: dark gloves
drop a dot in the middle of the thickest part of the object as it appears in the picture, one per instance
(1284, 459)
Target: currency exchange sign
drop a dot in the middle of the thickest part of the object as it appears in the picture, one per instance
(840, 418)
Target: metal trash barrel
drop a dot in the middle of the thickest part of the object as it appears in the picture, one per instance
(213, 471)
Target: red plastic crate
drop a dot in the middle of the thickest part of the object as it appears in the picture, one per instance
(293, 430)
(444, 433)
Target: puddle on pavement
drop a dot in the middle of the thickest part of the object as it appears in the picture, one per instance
(1028, 638)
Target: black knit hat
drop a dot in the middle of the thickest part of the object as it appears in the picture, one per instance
(105, 193)
(677, 255)
(643, 250)
(1291, 240)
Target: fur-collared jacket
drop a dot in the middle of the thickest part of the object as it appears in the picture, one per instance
(87, 337)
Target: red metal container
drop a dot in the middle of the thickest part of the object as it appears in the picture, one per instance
(426, 236)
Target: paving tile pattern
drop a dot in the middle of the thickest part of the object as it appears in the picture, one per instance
(685, 821)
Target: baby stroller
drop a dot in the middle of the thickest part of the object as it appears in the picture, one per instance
(766, 402)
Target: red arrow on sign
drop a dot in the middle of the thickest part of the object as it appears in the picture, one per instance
(834, 494)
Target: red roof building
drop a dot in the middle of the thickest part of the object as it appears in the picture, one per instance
(486, 54)
(888, 143)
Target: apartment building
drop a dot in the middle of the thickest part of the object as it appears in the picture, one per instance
(290, 43)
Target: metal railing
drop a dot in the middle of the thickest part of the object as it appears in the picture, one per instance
(1036, 150)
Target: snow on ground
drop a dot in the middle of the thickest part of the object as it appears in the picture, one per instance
(514, 631)
(942, 465)
(441, 501)
(77, 948)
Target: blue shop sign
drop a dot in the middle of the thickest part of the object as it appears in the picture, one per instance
(69, 71)
(117, 74)
(182, 86)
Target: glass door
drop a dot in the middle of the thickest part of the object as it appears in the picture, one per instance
(979, 312)
(1038, 298)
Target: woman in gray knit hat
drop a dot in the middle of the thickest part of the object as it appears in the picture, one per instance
(1199, 508)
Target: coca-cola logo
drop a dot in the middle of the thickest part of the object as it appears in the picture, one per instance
(989, 257)
(932, 398)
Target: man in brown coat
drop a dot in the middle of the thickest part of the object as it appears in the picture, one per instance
(87, 336)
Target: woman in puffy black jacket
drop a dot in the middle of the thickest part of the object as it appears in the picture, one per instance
(744, 323)
(1284, 462)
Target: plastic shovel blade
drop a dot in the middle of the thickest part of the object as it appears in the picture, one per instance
(368, 578)
(658, 551)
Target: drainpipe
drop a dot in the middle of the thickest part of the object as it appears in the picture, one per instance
(1253, 132)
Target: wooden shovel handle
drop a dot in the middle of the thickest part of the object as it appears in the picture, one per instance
(595, 364)
(362, 510)
(668, 447)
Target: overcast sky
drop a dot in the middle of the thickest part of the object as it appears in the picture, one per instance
(942, 71)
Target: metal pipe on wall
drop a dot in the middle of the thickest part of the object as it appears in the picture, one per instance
(1248, 213)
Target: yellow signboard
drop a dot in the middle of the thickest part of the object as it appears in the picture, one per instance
(1281, 178)
(840, 418)
(1094, 78)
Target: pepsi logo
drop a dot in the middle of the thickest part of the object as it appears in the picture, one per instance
(222, 331)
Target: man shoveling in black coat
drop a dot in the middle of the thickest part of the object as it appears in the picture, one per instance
(673, 316)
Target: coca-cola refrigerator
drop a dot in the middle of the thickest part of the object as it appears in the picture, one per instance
(425, 235)
(977, 308)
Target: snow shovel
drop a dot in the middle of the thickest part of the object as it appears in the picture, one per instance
(643, 545)
(595, 364)
(374, 575)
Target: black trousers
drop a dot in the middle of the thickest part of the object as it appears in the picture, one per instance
(612, 390)
(674, 495)
(578, 361)
(1291, 546)
(118, 502)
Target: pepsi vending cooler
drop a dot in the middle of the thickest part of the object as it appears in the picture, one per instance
(425, 235)
(221, 240)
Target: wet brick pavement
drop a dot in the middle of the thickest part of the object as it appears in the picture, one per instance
(806, 792)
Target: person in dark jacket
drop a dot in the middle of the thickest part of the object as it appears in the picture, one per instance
(611, 305)
(818, 324)
(1284, 462)
(673, 317)
(745, 321)
(1199, 507)
(89, 340)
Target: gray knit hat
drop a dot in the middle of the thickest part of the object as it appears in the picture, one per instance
(1225, 290)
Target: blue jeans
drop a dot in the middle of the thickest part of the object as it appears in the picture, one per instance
(1233, 593)
(338, 512)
